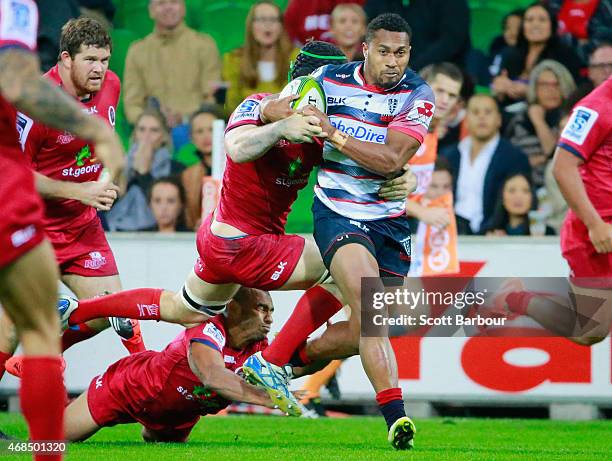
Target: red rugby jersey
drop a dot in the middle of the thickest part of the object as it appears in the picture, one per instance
(256, 196)
(60, 155)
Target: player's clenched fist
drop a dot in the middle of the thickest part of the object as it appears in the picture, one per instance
(601, 237)
(301, 128)
(323, 119)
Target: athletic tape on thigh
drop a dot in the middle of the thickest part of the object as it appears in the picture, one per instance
(193, 303)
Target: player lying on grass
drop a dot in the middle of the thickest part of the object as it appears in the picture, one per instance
(196, 374)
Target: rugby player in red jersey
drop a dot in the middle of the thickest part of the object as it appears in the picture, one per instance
(28, 271)
(68, 178)
(583, 169)
(243, 243)
(196, 374)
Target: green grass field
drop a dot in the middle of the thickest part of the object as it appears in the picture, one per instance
(251, 438)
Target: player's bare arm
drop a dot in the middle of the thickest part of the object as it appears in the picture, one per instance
(247, 143)
(386, 159)
(565, 170)
(98, 194)
(207, 364)
(23, 86)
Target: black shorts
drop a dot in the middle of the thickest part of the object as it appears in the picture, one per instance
(387, 239)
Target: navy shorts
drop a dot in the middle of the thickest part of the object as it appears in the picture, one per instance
(387, 239)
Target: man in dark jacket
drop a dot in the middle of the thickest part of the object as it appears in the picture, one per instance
(481, 162)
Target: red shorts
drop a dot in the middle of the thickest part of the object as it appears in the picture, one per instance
(256, 261)
(121, 395)
(21, 209)
(84, 251)
(588, 268)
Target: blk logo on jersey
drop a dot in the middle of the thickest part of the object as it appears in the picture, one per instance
(279, 271)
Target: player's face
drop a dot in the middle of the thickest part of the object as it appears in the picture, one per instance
(88, 68)
(483, 118)
(511, 29)
(266, 25)
(446, 91)
(348, 27)
(149, 131)
(167, 14)
(537, 26)
(386, 58)
(201, 135)
(600, 65)
(517, 196)
(441, 183)
(548, 90)
(165, 204)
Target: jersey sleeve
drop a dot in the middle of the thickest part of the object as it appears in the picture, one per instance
(584, 132)
(247, 113)
(415, 116)
(18, 24)
(210, 334)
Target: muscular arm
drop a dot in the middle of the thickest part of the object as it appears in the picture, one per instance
(98, 194)
(248, 142)
(207, 364)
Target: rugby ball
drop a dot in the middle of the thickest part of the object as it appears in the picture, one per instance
(309, 92)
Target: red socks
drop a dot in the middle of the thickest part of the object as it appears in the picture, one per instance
(314, 308)
(80, 333)
(518, 301)
(391, 405)
(43, 400)
(140, 304)
(3, 358)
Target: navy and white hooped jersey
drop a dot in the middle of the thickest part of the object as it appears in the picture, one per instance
(366, 112)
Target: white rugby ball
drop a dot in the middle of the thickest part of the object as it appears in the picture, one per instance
(309, 92)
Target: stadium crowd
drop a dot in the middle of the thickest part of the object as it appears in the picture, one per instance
(497, 134)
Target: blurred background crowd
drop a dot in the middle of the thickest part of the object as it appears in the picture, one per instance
(521, 67)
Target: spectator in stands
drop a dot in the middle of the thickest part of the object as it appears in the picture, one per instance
(481, 162)
(262, 63)
(311, 20)
(534, 130)
(511, 25)
(511, 215)
(600, 64)
(174, 65)
(149, 157)
(166, 200)
(348, 26)
(583, 24)
(53, 14)
(201, 137)
(537, 41)
(440, 28)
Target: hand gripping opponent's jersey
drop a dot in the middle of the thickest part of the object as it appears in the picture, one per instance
(367, 112)
(18, 29)
(62, 156)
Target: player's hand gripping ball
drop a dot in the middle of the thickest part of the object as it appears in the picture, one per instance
(309, 92)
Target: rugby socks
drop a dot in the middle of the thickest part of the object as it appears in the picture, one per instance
(76, 334)
(43, 400)
(391, 405)
(313, 309)
(3, 358)
(139, 304)
(518, 301)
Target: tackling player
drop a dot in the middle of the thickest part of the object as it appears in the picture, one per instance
(359, 235)
(196, 374)
(68, 178)
(583, 169)
(28, 272)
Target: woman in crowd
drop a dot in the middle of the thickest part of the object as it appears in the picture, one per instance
(511, 216)
(149, 157)
(348, 26)
(511, 25)
(262, 63)
(536, 42)
(535, 129)
(167, 203)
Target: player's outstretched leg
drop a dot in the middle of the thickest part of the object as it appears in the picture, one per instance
(28, 291)
(348, 266)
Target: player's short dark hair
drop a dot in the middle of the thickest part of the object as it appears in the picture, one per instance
(442, 164)
(83, 31)
(387, 21)
(448, 69)
(314, 55)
